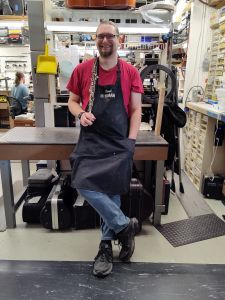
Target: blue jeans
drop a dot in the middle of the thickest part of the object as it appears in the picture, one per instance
(108, 207)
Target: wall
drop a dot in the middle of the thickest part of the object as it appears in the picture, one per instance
(15, 53)
(199, 41)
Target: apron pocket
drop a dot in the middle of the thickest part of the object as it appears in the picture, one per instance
(109, 175)
(131, 145)
(123, 171)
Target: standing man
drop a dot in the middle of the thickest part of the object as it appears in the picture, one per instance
(109, 91)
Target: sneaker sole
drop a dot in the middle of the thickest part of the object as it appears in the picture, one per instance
(103, 274)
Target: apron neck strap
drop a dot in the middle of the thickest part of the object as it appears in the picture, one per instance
(118, 69)
(94, 82)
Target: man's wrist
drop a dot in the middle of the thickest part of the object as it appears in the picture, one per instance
(132, 138)
(80, 114)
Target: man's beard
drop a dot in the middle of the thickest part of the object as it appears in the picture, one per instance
(105, 54)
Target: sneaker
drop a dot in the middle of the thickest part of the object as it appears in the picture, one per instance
(103, 261)
(126, 240)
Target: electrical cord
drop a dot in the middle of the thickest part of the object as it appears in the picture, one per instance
(195, 86)
(211, 175)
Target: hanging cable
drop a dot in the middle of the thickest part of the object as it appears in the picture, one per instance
(215, 148)
(195, 86)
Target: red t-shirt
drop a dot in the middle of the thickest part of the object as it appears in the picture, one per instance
(80, 80)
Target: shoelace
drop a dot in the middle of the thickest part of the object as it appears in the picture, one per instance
(104, 253)
(121, 244)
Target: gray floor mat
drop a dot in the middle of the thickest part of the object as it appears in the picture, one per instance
(192, 230)
(192, 200)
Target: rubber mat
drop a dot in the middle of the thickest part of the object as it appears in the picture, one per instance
(54, 280)
(192, 230)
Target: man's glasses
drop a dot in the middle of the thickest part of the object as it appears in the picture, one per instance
(108, 36)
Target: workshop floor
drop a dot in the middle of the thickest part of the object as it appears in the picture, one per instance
(36, 263)
(36, 243)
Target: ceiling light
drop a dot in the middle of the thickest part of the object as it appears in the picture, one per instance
(90, 27)
(13, 24)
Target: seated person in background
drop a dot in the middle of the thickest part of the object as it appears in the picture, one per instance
(20, 91)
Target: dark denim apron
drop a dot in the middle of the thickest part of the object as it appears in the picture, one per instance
(102, 160)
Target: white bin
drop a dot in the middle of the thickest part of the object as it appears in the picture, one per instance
(221, 98)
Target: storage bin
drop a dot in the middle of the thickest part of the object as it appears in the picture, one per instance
(221, 98)
(110, 4)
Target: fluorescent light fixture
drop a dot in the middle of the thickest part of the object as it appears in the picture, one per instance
(90, 27)
(13, 24)
(143, 30)
(159, 12)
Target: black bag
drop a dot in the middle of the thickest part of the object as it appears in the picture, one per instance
(175, 114)
(138, 202)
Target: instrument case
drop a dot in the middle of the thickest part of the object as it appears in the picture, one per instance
(58, 212)
(138, 202)
(38, 189)
(84, 215)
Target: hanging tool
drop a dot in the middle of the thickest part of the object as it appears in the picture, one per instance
(46, 64)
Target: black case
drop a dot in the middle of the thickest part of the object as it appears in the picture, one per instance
(138, 202)
(85, 217)
(57, 212)
(41, 177)
(38, 189)
(32, 208)
(212, 187)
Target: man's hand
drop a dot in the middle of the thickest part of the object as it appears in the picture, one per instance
(87, 119)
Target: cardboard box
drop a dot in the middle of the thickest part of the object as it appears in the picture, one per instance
(24, 123)
(217, 3)
(4, 105)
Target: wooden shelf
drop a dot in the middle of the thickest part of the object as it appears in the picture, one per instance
(13, 18)
(3, 129)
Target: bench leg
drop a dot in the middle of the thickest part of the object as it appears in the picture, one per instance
(159, 207)
(8, 195)
(25, 171)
